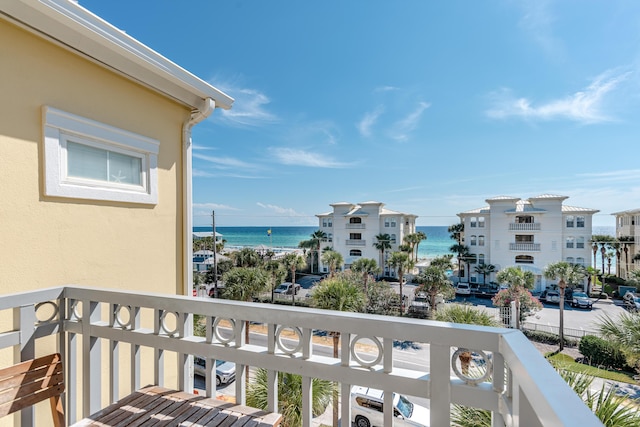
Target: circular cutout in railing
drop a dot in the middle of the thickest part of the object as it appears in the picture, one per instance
(284, 333)
(76, 310)
(365, 350)
(472, 366)
(46, 311)
(224, 330)
(169, 323)
(123, 316)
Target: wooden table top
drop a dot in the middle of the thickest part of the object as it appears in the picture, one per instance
(158, 406)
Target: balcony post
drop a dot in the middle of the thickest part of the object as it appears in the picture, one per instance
(272, 376)
(241, 327)
(345, 389)
(24, 319)
(91, 367)
(307, 411)
(185, 361)
(440, 384)
(158, 353)
(114, 357)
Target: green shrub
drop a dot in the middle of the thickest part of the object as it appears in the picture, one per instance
(599, 352)
(608, 290)
(549, 338)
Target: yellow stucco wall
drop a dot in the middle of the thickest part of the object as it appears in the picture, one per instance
(46, 241)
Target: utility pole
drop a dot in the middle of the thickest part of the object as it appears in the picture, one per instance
(215, 250)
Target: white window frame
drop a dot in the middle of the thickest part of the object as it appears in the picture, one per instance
(61, 126)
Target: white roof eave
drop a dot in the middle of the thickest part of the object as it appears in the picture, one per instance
(70, 25)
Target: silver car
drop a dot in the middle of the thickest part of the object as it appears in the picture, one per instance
(225, 371)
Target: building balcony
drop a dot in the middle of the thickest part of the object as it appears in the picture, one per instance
(356, 226)
(355, 242)
(526, 226)
(524, 247)
(115, 342)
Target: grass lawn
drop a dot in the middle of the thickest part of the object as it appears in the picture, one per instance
(567, 362)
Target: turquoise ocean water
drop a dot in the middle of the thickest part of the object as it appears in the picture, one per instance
(437, 243)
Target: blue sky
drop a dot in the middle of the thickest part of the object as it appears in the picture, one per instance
(430, 107)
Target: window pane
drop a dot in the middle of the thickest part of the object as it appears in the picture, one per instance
(88, 162)
(124, 169)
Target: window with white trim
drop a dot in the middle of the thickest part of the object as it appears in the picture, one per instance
(473, 240)
(580, 242)
(481, 240)
(580, 221)
(570, 221)
(570, 242)
(85, 159)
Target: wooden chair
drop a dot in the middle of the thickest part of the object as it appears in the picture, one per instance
(33, 381)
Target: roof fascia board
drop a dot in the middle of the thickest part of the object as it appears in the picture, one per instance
(78, 29)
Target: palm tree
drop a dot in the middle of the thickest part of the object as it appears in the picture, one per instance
(292, 262)
(519, 282)
(317, 237)
(470, 316)
(334, 260)
(337, 293)
(382, 243)
(277, 272)
(289, 396)
(368, 267)
(456, 232)
(308, 247)
(433, 281)
(565, 273)
(611, 409)
(422, 236)
(246, 257)
(401, 262)
(625, 333)
(485, 269)
(460, 250)
(616, 247)
(243, 284)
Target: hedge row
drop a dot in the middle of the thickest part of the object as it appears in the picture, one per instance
(599, 352)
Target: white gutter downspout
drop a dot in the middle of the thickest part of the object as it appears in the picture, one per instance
(196, 117)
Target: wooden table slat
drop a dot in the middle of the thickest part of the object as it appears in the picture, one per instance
(160, 407)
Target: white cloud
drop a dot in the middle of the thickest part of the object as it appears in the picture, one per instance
(213, 206)
(223, 162)
(584, 106)
(290, 156)
(280, 210)
(632, 175)
(367, 122)
(249, 107)
(204, 174)
(404, 127)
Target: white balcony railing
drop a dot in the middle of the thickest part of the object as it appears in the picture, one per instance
(102, 335)
(525, 226)
(524, 247)
(356, 226)
(356, 242)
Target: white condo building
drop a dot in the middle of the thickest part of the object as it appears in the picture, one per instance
(351, 230)
(628, 233)
(530, 234)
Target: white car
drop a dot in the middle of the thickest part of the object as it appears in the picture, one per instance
(632, 301)
(463, 289)
(225, 371)
(366, 409)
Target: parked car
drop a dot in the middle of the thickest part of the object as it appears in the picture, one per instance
(366, 409)
(287, 288)
(550, 296)
(463, 289)
(631, 301)
(487, 291)
(581, 300)
(420, 306)
(225, 371)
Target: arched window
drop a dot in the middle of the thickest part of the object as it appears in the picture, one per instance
(524, 259)
(570, 260)
(355, 252)
(580, 261)
(473, 241)
(570, 241)
(480, 240)
(355, 220)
